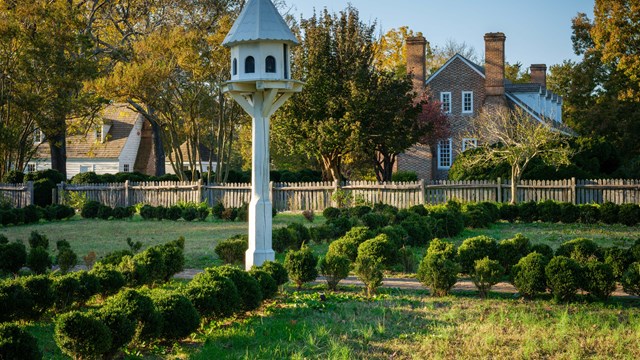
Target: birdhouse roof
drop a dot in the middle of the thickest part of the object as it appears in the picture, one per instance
(259, 20)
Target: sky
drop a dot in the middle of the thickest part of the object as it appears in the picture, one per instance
(538, 31)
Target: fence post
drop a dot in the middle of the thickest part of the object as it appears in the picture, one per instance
(200, 192)
(30, 190)
(127, 202)
(573, 192)
(422, 190)
(58, 197)
(336, 186)
(499, 190)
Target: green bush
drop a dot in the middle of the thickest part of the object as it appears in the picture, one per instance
(486, 273)
(173, 213)
(380, 248)
(492, 210)
(334, 267)
(88, 177)
(114, 258)
(341, 225)
(302, 234)
(569, 213)
(564, 277)
(476, 248)
(542, 249)
(301, 266)
(404, 176)
(121, 328)
(549, 211)
(476, 216)
(40, 289)
(331, 213)
(65, 289)
(88, 286)
(375, 220)
(32, 214)
(232, 250)
(110, 280)
(38, 260)
(619, 260)
(66, 259)
(528, 275)
(13, 256)
(217, 210)
(631, 279)
(144, 268)
(635, 250)
(214, 296)
(348, 244)
(267, 283)
(147, 212)
(16, 343)
(90, 209)
(202, 212)
(359, 211)
(229, 214)
(38, 240)
(419, 229)
(510, 251)
(369, 270)
(120, 212)
(589, 213)
(324, 232)
(82, 336)
(248, 287)
(396, 234)
(528, 211)
(609, 213)
(58, 212)
(13, 177)
(581, 250)
(159, 212)
(442, 248)
(277, 271)
(172, 257)
(284, 239)
(105, 212)
(509, 212)
(140, 309)
(3, 239)
(243, 213)
(629, 214)
(599, 279)
(189, 213)
(438, 273)
(406, 260)
(419, 209)
(450, 223)
(179, 317)
(16, 301)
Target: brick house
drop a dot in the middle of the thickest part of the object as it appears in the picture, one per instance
(464, 88)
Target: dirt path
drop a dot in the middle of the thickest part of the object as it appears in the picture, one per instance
(408, 283)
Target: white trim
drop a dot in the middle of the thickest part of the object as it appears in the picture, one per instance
(463, 104)
(473, 141)
(442, 102)
(525, 108)
(456, 56)
(449, 146)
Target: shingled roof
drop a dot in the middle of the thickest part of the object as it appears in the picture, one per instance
(121, 118)
(259, 20)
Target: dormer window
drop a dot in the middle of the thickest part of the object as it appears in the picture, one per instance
(235, 66)
(99, 133)
(270, 64)
(249, 65)
(38, 136)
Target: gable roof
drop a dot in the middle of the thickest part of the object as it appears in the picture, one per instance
(259, 20)
(121, 119)
(477, 68)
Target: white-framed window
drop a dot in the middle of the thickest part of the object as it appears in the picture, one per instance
(125, 168)
(445, 153)
(469, 143)
(99, 134)
(467, 102)
(86, 168)
(38, 136)
(31, 168)
(445, 102)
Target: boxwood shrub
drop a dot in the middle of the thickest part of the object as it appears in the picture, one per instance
(580, 249)
(17, 303)
(110, 280)
(486, 273)
(16, 343)
(442, 248)
(619, 259)
(334, 267)
(549, 211)
(528, 211)
(510, 251)
(476, 248)
(90, 209)
(589, 213)
(213, 295)
(277, 271)
(599, 279)
(121, 328)
(248, 287)
(569, 213)
(438, 273)
(528, 275)
(232, 250)
(509, 212)
(542, 249)
(13, 256)
(267, 283)
(301, 266)
(380, 248)
(39, 289)
(82, 335)
(609, 213)
(179, 316)
(564, 278)
(629, 214)
(140, 309)
(631, 279)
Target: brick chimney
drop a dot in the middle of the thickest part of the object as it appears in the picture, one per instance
(539, 74)
(417, 62)
(494, 63)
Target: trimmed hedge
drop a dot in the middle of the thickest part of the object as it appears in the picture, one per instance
(213, 295)
(564, 277)
(16, 343)
(476, 248)
(528, 275)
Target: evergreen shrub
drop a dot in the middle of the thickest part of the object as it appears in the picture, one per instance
(564, 277)
(476, 248)
(528, 275)
(301, 266)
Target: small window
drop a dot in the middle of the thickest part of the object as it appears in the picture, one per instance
(270, 64)
(86, 168)
(125, 168)
(444, 154)
(235, 66)
(445, 102)
(31, 168)
(38, 136)
(99, 133)
(467, 102)
(249, 65)
(469, 144)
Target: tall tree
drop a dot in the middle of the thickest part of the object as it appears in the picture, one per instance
(334, 60)
(439, 55)
(390, 50)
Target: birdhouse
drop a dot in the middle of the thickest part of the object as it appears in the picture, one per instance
(260, 43)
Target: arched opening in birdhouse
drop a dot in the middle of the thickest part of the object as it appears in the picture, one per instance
(270, 64)
(249, 65)
(235, 66)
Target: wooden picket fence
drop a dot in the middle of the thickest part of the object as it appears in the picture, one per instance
(17, 195)
(319, 195)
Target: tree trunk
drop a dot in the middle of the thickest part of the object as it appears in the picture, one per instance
(158, 148)
(58, 149)
(331, 167)
(515, 180)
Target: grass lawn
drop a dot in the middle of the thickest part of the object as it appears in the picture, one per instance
(106, 236)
